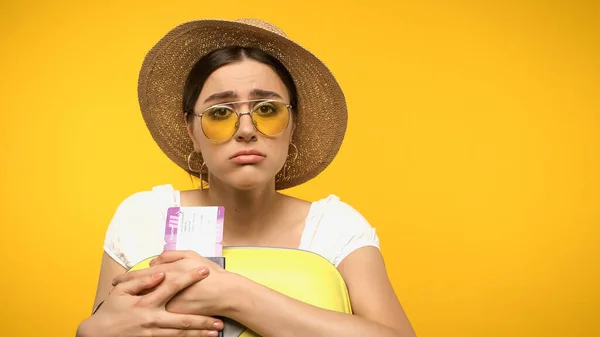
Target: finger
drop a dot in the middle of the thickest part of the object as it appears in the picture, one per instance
(128, 276)
(163, 294)
(188, 322)
(169, 256)
(137, 285)
(179, 333)
(123, 278)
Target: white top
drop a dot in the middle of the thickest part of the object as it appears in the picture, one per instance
(333, 228)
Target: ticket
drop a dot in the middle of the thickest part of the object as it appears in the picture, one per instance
(197, 228)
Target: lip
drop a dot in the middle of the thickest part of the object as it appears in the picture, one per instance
(247, 157)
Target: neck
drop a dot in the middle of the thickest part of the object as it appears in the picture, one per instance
(247, 212)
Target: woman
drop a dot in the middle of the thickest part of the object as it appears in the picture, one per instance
(250, 112)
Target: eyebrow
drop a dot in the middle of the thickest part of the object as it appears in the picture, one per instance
(220, 96)
(255, 93)
(259, 93)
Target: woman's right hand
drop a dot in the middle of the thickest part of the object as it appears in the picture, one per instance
(131, 310)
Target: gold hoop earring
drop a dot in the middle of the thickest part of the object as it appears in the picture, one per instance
(295, 152)
(201, 172)
(189, 158)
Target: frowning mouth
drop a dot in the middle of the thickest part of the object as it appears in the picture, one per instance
(248, 157)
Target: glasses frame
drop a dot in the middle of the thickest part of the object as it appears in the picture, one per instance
(229, 105)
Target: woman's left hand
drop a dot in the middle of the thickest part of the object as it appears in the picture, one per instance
(207, 297)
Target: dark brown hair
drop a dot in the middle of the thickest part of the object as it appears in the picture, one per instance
(227, 55)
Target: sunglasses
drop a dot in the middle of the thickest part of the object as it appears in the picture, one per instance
(221, 121)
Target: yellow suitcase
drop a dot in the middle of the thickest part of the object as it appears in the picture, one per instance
(300, 274)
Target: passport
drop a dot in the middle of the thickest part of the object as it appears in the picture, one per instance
(200, 229)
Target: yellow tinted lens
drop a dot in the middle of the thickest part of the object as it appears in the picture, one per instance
(218, 123)
(271, 118)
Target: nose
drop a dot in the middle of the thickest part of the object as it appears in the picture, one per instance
(246, 131)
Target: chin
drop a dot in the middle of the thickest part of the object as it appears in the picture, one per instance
(252, 181)
(247, 185)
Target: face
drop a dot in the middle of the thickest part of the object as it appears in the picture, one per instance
(249, 158)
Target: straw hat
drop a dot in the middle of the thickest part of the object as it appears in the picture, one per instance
(322, 112)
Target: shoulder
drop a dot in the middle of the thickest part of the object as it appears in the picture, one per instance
(335, 207)
(140, 205)
(135, 228)
(335, 229)
(338, 215)
(161, 194)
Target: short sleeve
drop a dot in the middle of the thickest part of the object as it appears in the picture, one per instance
(337, 229)
(134, 232)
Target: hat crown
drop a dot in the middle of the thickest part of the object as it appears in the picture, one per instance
(261, 24)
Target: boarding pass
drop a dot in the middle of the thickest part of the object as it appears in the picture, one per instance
(197, 228)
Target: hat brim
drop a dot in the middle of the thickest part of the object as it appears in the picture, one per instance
(322, 112)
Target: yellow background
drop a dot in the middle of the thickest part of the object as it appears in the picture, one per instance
(473, 147)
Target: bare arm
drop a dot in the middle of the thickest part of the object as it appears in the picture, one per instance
(129, 311)
(377, 311)
(137, 307)
(109, 269)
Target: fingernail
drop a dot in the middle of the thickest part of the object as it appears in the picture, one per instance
(218, 325)
(203, 272)
(158, 275)
(213, 333)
